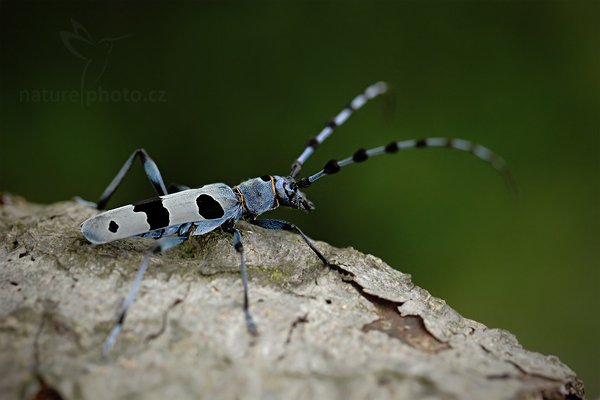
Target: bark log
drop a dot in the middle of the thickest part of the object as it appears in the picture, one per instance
(363, 332)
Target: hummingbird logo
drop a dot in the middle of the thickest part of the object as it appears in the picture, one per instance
(94, 53)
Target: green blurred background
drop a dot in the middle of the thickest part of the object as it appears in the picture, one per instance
(234, 90)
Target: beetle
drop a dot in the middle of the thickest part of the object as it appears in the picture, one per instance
(180, 212)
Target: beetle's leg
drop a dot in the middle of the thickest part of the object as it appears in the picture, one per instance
(150, 168)
(239, 247)
(278, 224)
(161, 245)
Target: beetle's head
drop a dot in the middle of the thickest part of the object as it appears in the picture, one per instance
(289, 194)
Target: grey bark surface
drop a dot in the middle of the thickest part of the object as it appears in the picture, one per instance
(366, 333)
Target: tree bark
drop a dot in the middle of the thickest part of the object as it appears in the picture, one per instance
(362, 332)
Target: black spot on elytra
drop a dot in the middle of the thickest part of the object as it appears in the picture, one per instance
(157, 215)
(266, 178)
(208, 207)
(113, 227)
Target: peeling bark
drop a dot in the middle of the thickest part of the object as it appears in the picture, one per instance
(365, 332)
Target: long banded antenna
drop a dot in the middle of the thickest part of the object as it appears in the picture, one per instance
(371, 92)
(362, 155)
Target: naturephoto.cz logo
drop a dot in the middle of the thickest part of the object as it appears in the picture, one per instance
(94, 56)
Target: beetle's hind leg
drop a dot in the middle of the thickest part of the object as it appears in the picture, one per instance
(160, 246)
(152, 173)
